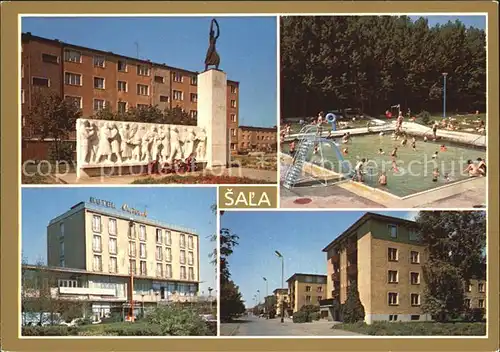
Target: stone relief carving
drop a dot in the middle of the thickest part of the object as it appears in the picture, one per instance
(120, 142)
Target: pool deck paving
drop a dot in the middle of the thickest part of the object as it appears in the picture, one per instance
(254, 326)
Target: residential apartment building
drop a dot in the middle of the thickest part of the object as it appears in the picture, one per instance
(95, 79)
(96, 245)
(252, 138)
(281, 295)
(383, 255)
(306, 289)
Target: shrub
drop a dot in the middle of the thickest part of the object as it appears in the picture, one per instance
(353, 310)
(310, 308)
(65, 152)
(301, 317)
(54, 330)
(113, 318)
(175, 320)
(314, 316)
(133, 329)
(425, 116)
(475, 314)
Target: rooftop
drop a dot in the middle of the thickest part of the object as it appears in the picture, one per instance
(256, 128)
(298, 276)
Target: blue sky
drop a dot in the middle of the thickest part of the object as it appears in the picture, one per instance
(187, 207)
(299, 236)
(247, 47)
(469, 21)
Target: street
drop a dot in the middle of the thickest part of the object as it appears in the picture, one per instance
(254, 326)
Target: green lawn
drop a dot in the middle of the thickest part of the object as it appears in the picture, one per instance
(416, 329)
(266, 162)
(208, 179)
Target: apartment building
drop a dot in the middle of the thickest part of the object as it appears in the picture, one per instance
(97, 245)
(306, 289)
(281, 295)
(252, 138)
(384, 257)
(95, 79)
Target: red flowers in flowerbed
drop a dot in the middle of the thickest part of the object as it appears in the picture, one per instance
(201, 179)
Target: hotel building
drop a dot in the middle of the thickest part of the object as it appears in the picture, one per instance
(384, 257)
(306, 289)
(117, 258)
(96, 79)
(281, 295)
(252, 138)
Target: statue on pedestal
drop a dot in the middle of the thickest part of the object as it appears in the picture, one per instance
(212, 58)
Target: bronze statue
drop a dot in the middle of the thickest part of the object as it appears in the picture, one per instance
(212, 58)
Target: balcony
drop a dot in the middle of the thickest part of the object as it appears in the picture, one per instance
(351, 247)
(336, 276)
(335, 258)
(87, 291)
(352, 269)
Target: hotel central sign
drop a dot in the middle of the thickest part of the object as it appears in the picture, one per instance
(111, 205)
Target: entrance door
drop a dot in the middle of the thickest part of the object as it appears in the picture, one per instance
(162, 293)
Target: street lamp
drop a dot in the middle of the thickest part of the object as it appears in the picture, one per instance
(265, 297)
(210, 289)
(258, 296)
(444, 94)
(267, 292)
(282, 283)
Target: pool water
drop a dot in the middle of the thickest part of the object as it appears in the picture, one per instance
(414, 168)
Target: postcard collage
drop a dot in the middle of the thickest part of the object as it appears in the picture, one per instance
(273, 175)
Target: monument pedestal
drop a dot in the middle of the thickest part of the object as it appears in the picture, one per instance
(212, 116)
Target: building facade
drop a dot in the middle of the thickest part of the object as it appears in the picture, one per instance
(96, 245)
(252, 138)
(384, 257)
(281, 295)
(95, 79)
(306, 289)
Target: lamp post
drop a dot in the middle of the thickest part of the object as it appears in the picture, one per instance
(282, 283)
(210, 289)
(258, 296)
(444, 94)
(265, 297)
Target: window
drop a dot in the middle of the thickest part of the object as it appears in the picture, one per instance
(182, 241)
(393, 317)
(112, 245)
(193, 114)
(183, 272)
(168, 254)
(99, 104)
(393, 231)
(414, 257)
(97, 263)
(40, 82)
(159, 253)
(393, 299)
(392, 277)
(191, 273)
(415, 278)
(415, 317)
(142, 89)
(190, 258)
(73, 56)
(413, 235)
(142, 232)
(131, 248)
(72, 79)
(233, 103)
(132, 269)
(97, 243)
(233, 132)
(183, 257)
(194, 80)
(319, 289)
(22, 71)
(163, 99)
(194, 97)
(52, 59)
(177, 77)
(159, 270)
(143, 70)
(159, 79)
(61, 262)
(308, 299)
(61, 229)
(131, 230)
(168, 238)
(142, 250)
(393, 255)
(61, 248)
(96, 223)
(415, 299)
(469, 288)
(190, 242)
(144, 270)
(233, 117)
(467, 302)
(99, 61)
(112, 226)
(113, 265)
(308, 288)
(77, 101)
(122, 107)
(122, 66)
(98, 82)
(480, 303)
(233, 89)
(178, 95)
(122, 86)
(480, 287)
(159, 236)
(168, 271)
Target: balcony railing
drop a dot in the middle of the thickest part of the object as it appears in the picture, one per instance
(87, 291)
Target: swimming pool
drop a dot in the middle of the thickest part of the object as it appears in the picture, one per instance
(414, 172)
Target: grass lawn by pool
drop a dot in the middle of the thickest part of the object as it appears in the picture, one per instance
(208, 179)
(416, 329)
(465, 123)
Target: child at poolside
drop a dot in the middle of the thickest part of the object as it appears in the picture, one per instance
(414, 144)
(382, 180)
(435, 175)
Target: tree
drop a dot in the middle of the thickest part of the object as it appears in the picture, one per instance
(52, 116)
(353, 310)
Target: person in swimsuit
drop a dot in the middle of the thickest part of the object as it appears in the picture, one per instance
(435, 175)
(481, 166)
(472, 169)
(382, 180)
(404, 141)
(434, 130)
(414, 143)
(435, 155)
(443, 148)
(345, 150)
(394, 153)
(359, 170)
(292, 148)
(381, 152)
